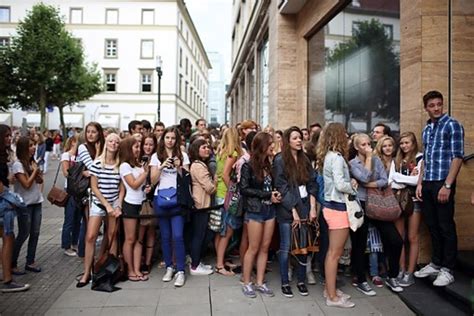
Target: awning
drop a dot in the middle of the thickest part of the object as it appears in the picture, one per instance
(109, 120)
(149, 117)
(6, 118)
(33, 119)
(74, 120)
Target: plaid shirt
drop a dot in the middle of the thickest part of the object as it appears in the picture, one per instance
(443, 141)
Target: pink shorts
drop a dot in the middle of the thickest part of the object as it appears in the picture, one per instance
(336, 219)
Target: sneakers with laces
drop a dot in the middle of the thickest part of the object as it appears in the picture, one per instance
(200, 270)
(377, 281)
(365, 288)
(179, 279)
(70, 253)
(302, 289)
(286, 291)
(338, 293)
(407, 280)
(264, 290)
(340, 302)
(400, 275)
(310, 277)
(168, 275)
(12, 286)
(429, 269)
(392, 283)
(444, 278)
(248, 290)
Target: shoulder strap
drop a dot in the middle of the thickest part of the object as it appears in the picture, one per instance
(57, 172)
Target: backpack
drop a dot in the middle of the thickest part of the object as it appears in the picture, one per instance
(77, 183)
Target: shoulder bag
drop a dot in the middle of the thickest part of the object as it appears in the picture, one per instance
(304, 238)
(354, 211)
(56, 195)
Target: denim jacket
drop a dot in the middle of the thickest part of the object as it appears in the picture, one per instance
(10, 201)
(364, 176)
(337, 180)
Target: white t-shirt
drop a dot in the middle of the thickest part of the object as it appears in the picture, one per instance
(303, 191)
(168, 177)
(67, 157)
(32, 195)
(132, 196)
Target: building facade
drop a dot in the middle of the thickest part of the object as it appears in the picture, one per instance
(296, 62)
(216, 89)
(124, 39)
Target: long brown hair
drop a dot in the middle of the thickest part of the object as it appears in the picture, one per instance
(411, 156)
(296, 172)
(4, 149)
(126, 151)
(332, 138)
(161, 148)
(260, 161)
(23, 153)
(101, 139)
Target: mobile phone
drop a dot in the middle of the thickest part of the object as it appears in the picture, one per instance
(145, 159)
(171, 162)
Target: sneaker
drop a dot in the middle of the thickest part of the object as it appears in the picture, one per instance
(286, 291)
(200, 270)
(248, 290)
(168, 275)
(342, 303)
(365, 288)
(311, 278)
(392, 283)
(70, 253)
(407, 280)
(302, 289)
(264, 290)
(180, 278)
(444, 278)
(12, 286)
(377, 281)
(429, 269)
(400, 275)
(338, 293)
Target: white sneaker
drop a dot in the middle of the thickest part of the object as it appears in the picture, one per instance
(429, 269)
(168, 275)
(179, 279)
(338, 293)
(340, 303)
(444, 278)
(311, 278)
(200, 270)
(70, 253)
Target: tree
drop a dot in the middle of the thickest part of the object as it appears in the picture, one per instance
(45, 66)
(363, 75)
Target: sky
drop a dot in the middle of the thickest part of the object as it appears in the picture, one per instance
(212, 19)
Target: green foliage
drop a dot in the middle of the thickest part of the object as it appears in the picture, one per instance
(45, 66)
(363, 75)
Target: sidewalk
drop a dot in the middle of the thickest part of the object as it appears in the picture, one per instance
(53, 291)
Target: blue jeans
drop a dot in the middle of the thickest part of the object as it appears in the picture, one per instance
(199, 224)
(71, 225)
(284, 256)
(29, 223)
(171, 229)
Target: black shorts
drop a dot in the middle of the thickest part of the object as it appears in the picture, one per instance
(131, 209)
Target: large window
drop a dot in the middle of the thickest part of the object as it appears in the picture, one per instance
(4, 42)
(354, 69)
(111, 48)
(111, 16)
(5, 14)
(146, 49)
(110, 80)
(146, 80)
(264, 78)
(148, 16)
(75, 16)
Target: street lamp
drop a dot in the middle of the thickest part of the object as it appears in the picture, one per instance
(159, 63)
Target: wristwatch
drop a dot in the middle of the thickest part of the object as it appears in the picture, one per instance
(447, 185)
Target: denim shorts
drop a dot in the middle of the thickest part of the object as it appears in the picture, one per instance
(229, 220)
(8, 222)
(95, 211)
(416, 206)
(266, 213)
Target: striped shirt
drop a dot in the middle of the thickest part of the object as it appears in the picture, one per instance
(108, 181)
(443, 141)
(84, 156)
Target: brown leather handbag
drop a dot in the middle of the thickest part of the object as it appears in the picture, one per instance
(305, 238)
(56, 195)
(382, 205)
(405, 199)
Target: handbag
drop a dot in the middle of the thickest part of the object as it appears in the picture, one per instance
(147, 212)
(405, 199)
(354, 211)
(215, 220)
(167, 198)
(109, 269)
(56, 195)
(233, 201)
(304, 238)
(382, 205)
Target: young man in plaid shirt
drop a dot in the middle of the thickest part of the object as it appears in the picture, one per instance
(443, 141)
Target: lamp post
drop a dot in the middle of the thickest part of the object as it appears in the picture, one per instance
(159, 72)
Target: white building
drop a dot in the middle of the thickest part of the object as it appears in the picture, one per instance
(216, 89)
(124, 38)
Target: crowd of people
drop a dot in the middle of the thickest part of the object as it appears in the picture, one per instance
(250, 184)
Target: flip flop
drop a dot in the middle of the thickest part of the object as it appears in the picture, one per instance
(134, 278)
(223, 271)
(143, 277)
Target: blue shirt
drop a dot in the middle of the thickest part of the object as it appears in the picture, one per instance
(443, 141)
(364, 176)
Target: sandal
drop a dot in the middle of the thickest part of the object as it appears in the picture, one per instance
(230, 265)
(143, 277)
(224, 271)
(134, 278)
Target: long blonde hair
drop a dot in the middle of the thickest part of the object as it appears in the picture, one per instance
(411, 156)
(379, 150)
(230, 143)
(103, 155)
(332, 138)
